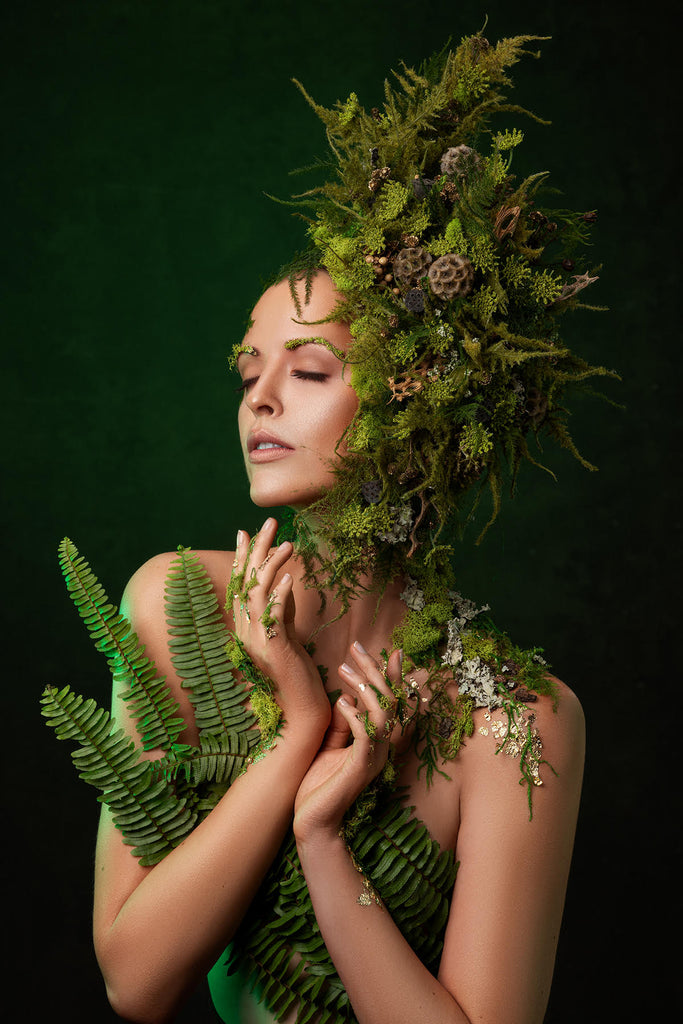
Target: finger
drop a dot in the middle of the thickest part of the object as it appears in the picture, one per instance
(263, 541)
(395, 667)
(375, 677)
(339, 729)
(354, 720)
(237, 575)
(274, 616)
(272, 564)
(377, 707)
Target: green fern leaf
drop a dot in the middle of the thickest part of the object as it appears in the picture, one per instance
(151, 817)
(198, 639)
(406, 867)
(218, 759)
(156, 712)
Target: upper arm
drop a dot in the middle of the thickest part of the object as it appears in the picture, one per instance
(507, 905)
(117, 872)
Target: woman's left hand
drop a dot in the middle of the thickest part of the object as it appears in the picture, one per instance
(366, 712)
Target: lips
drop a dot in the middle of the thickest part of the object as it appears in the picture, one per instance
(263, 446)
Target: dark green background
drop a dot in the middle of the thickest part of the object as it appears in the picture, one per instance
(140, 140)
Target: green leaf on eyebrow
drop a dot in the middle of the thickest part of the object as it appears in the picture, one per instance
(239, 349)
(298, 342)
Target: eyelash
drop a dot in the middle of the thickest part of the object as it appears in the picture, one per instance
(299, 374)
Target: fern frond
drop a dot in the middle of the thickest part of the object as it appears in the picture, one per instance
(288, 957)
(198, 637)
(156, 712)
(150, 816)
(219, 759)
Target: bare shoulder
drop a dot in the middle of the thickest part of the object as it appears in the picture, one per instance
(530, 764)
(143, 605)
(557, 721)
(143, 596)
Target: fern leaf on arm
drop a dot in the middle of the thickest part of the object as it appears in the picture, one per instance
(198, 637)
(152, 705)
(149, 814)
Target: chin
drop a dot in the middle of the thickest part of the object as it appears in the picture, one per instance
(284, 497)
(285, 485)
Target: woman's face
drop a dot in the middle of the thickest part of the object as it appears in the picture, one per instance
(296, 405)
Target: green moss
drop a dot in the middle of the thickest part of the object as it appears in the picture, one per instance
(478, 645)
(392, 201)
(475, 440)
(268, 713)
(508, 139)
(350, 110)
(545, 287)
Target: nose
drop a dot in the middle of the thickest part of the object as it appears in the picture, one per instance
(264, 394)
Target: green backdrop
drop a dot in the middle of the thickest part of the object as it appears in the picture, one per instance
(140, 140)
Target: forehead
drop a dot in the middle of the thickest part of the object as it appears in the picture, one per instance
(275, 320)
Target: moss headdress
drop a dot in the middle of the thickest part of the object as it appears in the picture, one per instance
(453, 276)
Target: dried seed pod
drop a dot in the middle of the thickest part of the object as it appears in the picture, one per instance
(449, 192)
(421, 186)
(451, 276)
(415, 300)
(372, 491)
(459, 161)
(410, 265)
(378, 177)
(536, 406)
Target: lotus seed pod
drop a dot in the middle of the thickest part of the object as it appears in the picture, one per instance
(459, 161)
(372, 491)
(415, 301)
(451, 276)
(410, 265)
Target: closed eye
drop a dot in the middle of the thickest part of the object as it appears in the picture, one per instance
(309, 375)
(298, 374)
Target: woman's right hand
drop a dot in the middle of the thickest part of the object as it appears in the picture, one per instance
(263, 612)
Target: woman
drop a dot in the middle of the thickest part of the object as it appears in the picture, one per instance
(377, 389)
(158, 930)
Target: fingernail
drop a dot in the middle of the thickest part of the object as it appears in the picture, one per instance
(345, 668)
(267, 523)
(359, 647)
(344, 701)
(239, 537)
(286, 578)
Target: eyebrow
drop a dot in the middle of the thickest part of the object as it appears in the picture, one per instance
(290, 345)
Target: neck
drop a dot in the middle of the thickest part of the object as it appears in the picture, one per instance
(369, 618)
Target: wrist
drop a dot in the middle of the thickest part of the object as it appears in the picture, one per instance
(315, 838)
(302, 735)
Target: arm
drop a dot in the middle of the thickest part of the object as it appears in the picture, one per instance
(158, 930)
(502, 930)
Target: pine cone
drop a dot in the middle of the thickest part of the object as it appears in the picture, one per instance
(410, 265)
(459, 161)
(378, 177)
(451, 276)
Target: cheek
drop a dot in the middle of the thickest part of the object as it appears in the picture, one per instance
(243, 416)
